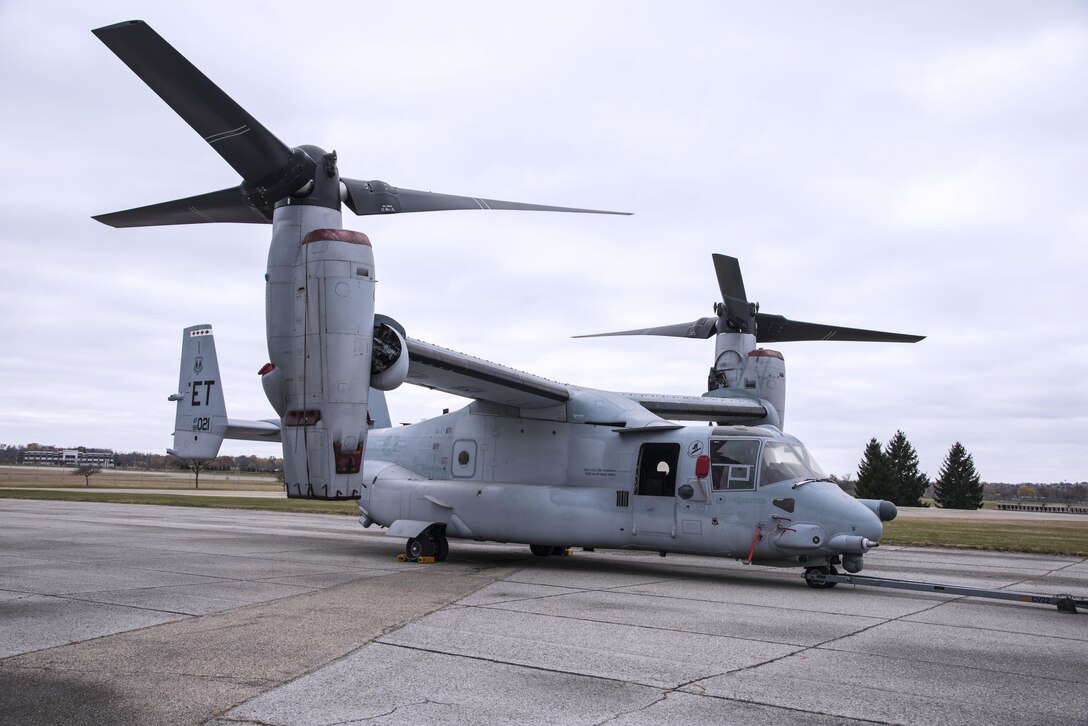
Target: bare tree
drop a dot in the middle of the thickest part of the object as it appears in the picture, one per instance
(197, 466)
(86, 471)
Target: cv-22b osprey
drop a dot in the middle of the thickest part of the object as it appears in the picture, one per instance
(529, 460)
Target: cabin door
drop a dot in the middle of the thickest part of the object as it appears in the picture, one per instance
(654, 501)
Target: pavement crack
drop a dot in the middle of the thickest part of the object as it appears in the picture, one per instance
(663, 697)
(422, 702)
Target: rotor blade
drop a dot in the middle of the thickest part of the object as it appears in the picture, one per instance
(251, 149)
(377, 197)
(731, 284)
(777, 329)
(225, 205)
(701, 328)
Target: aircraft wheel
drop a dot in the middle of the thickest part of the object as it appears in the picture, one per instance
(540, 550)
(413, 550)
(811, 581)
(441, 548)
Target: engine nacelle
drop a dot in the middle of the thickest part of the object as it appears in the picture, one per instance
(389, 361)
(321, 333)
(740, 366)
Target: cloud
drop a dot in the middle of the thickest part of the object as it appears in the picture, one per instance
(902, 167)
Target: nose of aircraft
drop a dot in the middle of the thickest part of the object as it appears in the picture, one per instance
(861, 520)
(868, 524)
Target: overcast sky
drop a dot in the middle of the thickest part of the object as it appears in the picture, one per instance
(914, 167)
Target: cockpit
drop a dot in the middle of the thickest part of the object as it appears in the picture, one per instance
(740, 463)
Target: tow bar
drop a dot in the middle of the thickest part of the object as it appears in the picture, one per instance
(1064, 603)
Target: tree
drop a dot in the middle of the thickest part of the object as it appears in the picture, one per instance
(86, 471)
(874, 474)
(909, 482)
(1025, 491)
(958, 485)
(196, 466)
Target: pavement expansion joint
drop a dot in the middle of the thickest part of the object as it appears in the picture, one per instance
(526, 666)
(640, 626)
(1036, 579)
(101, 602)
(806, 711)
(940, 663)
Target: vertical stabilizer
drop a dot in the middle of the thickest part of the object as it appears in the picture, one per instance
(201, 417)
(378, 411)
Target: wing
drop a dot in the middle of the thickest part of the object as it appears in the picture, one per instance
(736, 409)
(464, 375)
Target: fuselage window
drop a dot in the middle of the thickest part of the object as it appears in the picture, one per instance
(733, 463)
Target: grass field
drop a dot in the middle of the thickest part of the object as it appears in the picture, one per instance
(51, 476)
(306, 506)
(1042, 537)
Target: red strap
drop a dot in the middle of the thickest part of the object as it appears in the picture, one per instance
(754, 540)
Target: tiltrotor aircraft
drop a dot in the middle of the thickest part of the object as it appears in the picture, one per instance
(528, 460)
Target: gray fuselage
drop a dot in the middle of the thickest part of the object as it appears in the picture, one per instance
(489, 473)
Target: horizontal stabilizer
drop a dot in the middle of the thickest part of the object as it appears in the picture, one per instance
(267, 430)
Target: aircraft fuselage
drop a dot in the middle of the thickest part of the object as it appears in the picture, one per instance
(487, 473)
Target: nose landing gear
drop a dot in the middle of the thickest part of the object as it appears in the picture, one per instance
(816, 577)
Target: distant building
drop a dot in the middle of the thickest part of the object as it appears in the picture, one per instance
(69, 457)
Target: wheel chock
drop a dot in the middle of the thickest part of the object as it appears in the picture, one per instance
(418, 560)
(568, 552)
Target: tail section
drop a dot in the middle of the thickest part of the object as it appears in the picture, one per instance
(201, 420)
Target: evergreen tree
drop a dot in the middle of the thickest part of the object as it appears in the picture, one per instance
(874, 474)
(909, 482)
(958, 485)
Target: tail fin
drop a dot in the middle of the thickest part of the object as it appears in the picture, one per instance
(201, 419)
(378, 411)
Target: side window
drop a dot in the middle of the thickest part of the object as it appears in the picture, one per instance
(657, 470)
(733, 463)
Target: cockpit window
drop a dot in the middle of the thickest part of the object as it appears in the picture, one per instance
(806, 457)
(733, 463)
(781, 462)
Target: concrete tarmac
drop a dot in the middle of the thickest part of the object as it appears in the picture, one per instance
(129, 614)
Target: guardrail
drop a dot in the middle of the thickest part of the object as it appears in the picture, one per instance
(1048, 508)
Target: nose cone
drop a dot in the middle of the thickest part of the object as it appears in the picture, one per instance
(868, 524)
(862, 520)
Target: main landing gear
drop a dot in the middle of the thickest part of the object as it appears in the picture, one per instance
(431, 544)
(545, 550)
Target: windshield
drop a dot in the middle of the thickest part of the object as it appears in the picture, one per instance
(781, 462)
(806, 456)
